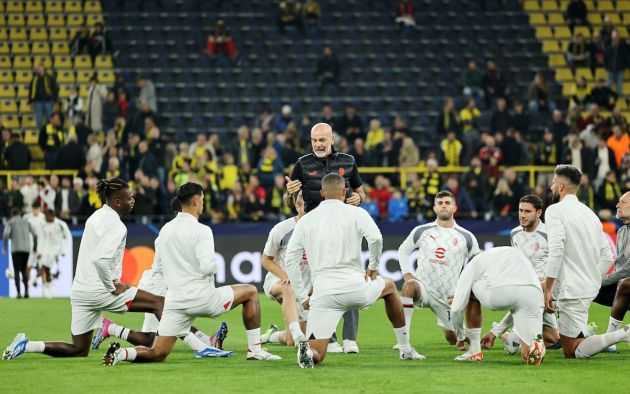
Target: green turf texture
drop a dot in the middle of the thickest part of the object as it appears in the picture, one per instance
(376, 369)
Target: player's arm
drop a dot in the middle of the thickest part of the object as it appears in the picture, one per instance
(556, 235)
(6, 235)
(270, 265)
(108, 244)
(294, 182)
(404, 251)
(461, 298)
(356, 184)
(292, 262)
(370, 231)
(474, 250)
(271, 250)
(157, 259)
(34, 234)
(204, 251)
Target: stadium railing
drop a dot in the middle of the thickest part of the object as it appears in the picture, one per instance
(10, 174)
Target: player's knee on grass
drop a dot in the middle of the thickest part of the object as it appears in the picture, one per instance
(550, 336)
(568, 346)
(319, 348)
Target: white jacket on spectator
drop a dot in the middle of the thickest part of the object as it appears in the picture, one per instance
(94, 107)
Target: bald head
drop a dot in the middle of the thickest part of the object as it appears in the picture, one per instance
(322, 139)
(333, 187)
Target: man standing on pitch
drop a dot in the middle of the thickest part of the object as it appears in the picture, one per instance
(307, 176)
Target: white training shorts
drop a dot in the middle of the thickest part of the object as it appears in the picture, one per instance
(439, 307)
(302, 313)
(550, 320)
(326, 311)
(573, 316)
(526, 303)
(177, 322)
(87, 312)
(47, 260)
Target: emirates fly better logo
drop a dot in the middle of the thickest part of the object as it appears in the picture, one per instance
(440, 253)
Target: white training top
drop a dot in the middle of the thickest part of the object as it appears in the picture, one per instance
(153, 279)
(331, 236)
(51, 236)
(186, 252)
(442, 253)
(36, 223)
(534, 245)
(496, 267)
(276, 247)
(102, 247)
(579, 253)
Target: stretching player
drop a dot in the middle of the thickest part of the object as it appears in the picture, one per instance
(152, 280)
(96, 287)
(443, 248)
(186, 249)
(36, 219)
(579, 257)
(50, 247)
(277, 285)
(615, 290)
(500, 278)
(531, 238)
(331, 236)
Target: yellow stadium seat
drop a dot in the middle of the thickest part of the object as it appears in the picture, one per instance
(6, 77)
(63, 62)
(614, 18)
(584, 72)
(20, 48)
(600, 73)
(626, 89)
(8, 107)
(543, 32)
(23, 76)
(1, 6)
(562, 33)
(54, 6)
(11, 122)
(605, 6)
(103, 61)
(557, 61)
(31, 137)
(75, 20)
(82, 61)
(92, 19)
(73, 7)
(23, 91)
(5, 63)
(623, 32)
(34, 6)
(41, 48)
(586, 32)
(626, 75)
(83, 91)
(623, 6)
(25, 107)
(92, 7)
(64, 91)
(3, 22)
(621, 104)
(551, 47)
(556, 18)
(590, 5)
(14, 7)
(28, 122)
(55, 20)
(595, 19)
(531, 5)
(16, 20)
(38, 34)
(3, 34)
(43, 59)
(58, 34)
(60, 48)
(22, 62)
(537, 19)
(66, 77)
(35, 20)
(548, 5)
(83, 76)
(4, 48)
(7, 91)
(17, 34)
(564, 74)
(106, 77)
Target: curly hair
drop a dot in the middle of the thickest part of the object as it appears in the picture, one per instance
(105, 188)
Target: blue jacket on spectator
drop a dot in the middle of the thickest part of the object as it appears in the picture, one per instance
(371, 207)
(397, 209)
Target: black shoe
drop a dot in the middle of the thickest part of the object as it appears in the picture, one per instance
(109, 355)
(19, 296)
(25, 295)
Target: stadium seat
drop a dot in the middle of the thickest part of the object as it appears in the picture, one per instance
(83, 91)
(15, 20)
(82, 61)
(605, 6)
(623, 32)
(584, 72)
(34, 6)
(73, 7)
(55, 20)
(556, 19)
(28, 122)
(600, 73)
(7, 91)
(543, 32)
(75, 20)
(621, 104)
(23, 76)
(22, 62)
(35, 20)
(557, 61)
(65, 77)
(11, 122)
(549, 5)
(531, 5)
(8, 107)
(64, 91)
(5, 63)
(623, 6)
(614, 18)
(41, 48)
(83, 76)
(63, 62)
(4, 48)
(17, 34)
(586, 32)
(6, 77)
(595, 19)
(106, 77)
(564, 74)
(31, 137)
(38, 34)
(23, 91)
(14, 7)
(25, 107)
(92, 7)
(20, 48)
(537, 19)
(94, 18)
(58, 34)
(626, 89)
(103, 61)
(43, 59)
(54, 7)
(3, 33)
(60, 48)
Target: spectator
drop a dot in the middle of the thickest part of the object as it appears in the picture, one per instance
(73, 106)
(4, 144)
(477, 181)
(490, 150)
(559, 129)
(500, 120)
(619, 143)
(254, 186)
(147, 163)
(242, 148)
(609, 192)
(258, 145)
(386, 153)
(268, 166)
(397, 207)
(597, 49)
(311, 12)
(67, 201)
(575, 153)
(178, 161)
(369, 205)
(147, 92)
(546, 151)
(502, 199)
(400, 129)
(606, 31)
(577, 52)
(404, 14)
(595, 119)
(113, 168)
(617, 118)
(265, 120)
(616, 60)
(71, 156)
(285, 118)
(220, 41)
(577, 14)
(80, 43)
(465, 206)
(123, 103)
(604, 161)
(100, 42)
(236, 202)
(470, 116)
(381, 193)
(97, 94)
(351, 125)
(290, 15)
(494, 83)
(91, 201)
(430, 187)
(375, 135)
(581, 97)
(110, 110)
(517, 188)
(17, 155)
(328, 116)
(51, 137)
(43, 92)
(409, 156)
(358, 152)
(276, 201)
(574, 119)
(328, 68)
(447, 120)
(512, 148)
(199, 148)
(586, 193)
(519, 118)
(451, 149)
(538, 95)
(144, 194)
(470, 80)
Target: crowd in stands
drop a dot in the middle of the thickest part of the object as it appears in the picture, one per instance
(108, 134)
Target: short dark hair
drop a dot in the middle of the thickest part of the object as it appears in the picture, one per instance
(532, 199)
(176, 206)
(15, 211)
(332, 180)
(50, 212)
(186, 192)
(572, 173)
(442, 194)
(105, 188)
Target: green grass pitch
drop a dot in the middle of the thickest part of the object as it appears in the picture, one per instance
(375, 370)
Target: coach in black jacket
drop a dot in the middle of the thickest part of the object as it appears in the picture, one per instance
(307, 175)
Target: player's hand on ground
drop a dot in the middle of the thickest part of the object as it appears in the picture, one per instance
(370, 274)
(408, 276)
(354, 199)
(461, 345)
(487, 341)
(307, 304)
(120, 288)
(293, 186)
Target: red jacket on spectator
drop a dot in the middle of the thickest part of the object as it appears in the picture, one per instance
(381, 197)
(487, 152)
(405, 8)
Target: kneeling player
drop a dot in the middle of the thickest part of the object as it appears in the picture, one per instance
(500, 278)
(186, 249)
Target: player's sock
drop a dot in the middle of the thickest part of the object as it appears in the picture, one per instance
(253, 340)
(613, 324)
(275, 337)
(296, 332)
(596, 343)
(118, 331)
(407, 303)
(402, 335)
(474, 336)
(203, 337)
(195, 343)
(129, 354)
(34, 347)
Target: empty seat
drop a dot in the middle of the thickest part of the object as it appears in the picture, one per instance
(43, 59)
(38, 34)
(92, 19)
(35, 20)
(15, 7)
(58, 34)
(562, 33)
(82, 61)
(75, 20)
(564, 74)
(66, 77)
(17, 34)
(23, 91)
(6, 77)
(92, 7)
(73, 7)
(20, 48)
(54, 6)
(55, 20)
(83, 76)
(41, 48)
(11, 122)
(23, 76)
(7, 91)
(34, 6)
(63, 62)
(5, 63)
(28, 122)
(8, 107)
(22, 62)
(60, 48)
(106, 77)
(543, 32)
(5, 49)
(103, 61)
(15, 20)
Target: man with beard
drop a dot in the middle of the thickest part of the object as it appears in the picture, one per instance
(307, 176)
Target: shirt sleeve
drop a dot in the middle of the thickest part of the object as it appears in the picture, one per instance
(107, 248)
(556, 236)
(205, 253)
(370, 231)
(157, 261)
(292, 263)
(475, 247)
(272, 246)
(404, 251)
(6, 234)
(296, 175)
(355, 178)
(606, 260)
